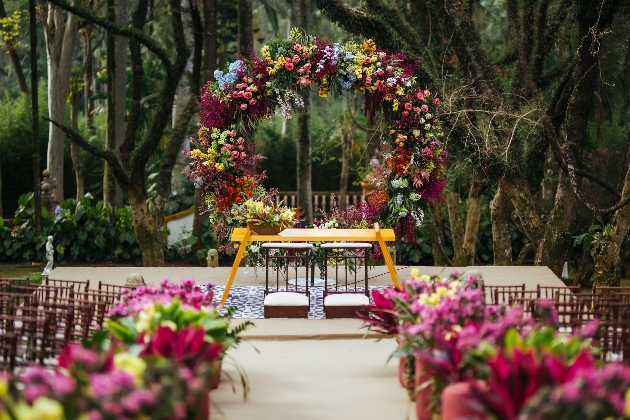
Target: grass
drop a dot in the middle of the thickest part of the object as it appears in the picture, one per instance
(31, 271)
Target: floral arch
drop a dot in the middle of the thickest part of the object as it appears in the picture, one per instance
(224, 163)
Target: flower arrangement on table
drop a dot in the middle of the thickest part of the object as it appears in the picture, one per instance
(258, 213)
(158, 357)
(224, 166)
(513, 366)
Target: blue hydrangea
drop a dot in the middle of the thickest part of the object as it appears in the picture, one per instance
(347, 81)
(228, 79)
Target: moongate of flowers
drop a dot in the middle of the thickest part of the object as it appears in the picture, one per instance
(224, 166)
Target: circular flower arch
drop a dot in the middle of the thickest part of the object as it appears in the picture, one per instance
(224, 164)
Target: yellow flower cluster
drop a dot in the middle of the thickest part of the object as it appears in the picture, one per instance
(133, 365)
(323, 87)
(11, 29)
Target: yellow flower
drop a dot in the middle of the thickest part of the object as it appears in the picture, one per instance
(42, 409)
(441, 290)
(219, 167)
(425, 278)
(415, 273)
(433, 300)
(626, 410)
(133, 365)
(145, 317)
(395, 105)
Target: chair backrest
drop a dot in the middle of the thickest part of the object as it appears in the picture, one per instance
(114, 288)
(549, 292)
(77, 286)
(500, 295)
(348, 264)
(286, 259)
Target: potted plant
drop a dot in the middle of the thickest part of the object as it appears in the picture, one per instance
(268, 219)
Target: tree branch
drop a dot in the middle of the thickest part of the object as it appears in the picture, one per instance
(114, 28)
(106, 155)
(125, 148)
(360, 23)
(143, 153)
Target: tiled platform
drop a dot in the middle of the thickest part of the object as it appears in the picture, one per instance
(249, 300)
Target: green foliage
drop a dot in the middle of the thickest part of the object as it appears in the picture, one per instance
(81, 232)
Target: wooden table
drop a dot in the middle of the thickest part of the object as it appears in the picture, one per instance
(245, 235)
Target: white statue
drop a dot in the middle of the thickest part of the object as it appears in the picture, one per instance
(50, 256)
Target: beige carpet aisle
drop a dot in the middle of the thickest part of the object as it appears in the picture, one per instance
(314, 379)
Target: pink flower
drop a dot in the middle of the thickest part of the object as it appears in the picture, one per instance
(405, 112)
(295, 59)
(368, 81)
(243, 107)
(247, 95)
(367, 60)
(232, 134)
(427, 93)
(408, 106)
(381, 55)
(416, 109)
(297, 47)
(424, 108)
(420, 96)
(436, 102)
(243, 155)
(241, 147)
(252, 101)
(288, 65)
(240, 140)
(234, 154)
(389, 68)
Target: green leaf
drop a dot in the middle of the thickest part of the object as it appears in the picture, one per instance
(120, 332)
(191, 240)
(512, 339)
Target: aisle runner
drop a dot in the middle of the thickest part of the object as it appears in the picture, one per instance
(249, 300)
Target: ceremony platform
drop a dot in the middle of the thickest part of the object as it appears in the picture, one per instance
(378, 276)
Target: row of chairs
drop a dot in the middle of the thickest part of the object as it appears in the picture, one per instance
(38, 320)
(574, 310)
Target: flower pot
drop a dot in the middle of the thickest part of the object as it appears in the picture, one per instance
(265, 230)
(455, 403)
(424, 397)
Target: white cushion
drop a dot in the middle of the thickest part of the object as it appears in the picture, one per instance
(286, 299)
(345, 245)
(286, 245)
(346, 299)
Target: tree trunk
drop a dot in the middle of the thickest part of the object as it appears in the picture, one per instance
(304, 156)
(209, 65)
(609, 251)
(457, 227)
(552, 248)
(500, 210)
(120, 44)
(15, 61)
(109, 184)
(346, 161)
(436, 233)
(61, 39)
(473, 216)
(150, 239)
(35, 119)
(88, 78)
(245, 27)
(518, 191)
(75, 150)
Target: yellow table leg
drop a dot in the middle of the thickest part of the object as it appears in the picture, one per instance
(388, 258)
(237, 261)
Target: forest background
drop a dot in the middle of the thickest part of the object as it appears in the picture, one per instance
(535, 93)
